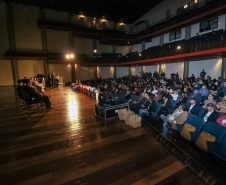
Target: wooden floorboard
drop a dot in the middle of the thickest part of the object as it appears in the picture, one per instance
(68, 145)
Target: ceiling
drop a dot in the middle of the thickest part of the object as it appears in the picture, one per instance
(127, 11)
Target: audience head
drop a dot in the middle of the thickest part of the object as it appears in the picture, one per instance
(204, 86)
(20, 82)
(182, 108)
(142, 95)
(175, 92)
(210, 107)
(192, 101)
(210, 97)
(165, 97)
(196, 91)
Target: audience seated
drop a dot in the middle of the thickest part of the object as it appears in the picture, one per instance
(179, 116)
(210, 115)
(209, 100)
(204, 92)
(193, 107)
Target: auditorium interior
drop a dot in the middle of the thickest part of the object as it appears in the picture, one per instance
(113, 92)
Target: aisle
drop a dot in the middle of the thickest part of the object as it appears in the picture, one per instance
(68, 145)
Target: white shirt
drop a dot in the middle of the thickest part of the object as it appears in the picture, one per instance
(175, 96)
(191, 108)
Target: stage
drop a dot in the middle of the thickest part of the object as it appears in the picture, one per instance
(68, 145)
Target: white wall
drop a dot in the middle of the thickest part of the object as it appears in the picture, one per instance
(122, 71)
(6, 74)
(27, 33)
(212, 67)
(155, 41)
(136, 70)
(63, 69)
(104, 48)
(122, 49)
(58, 41)
(86, 74)
(105, 72)
(151, 69)
(30, 68)
(137, 47)
(83, 46)
(221, 25)
(174, 68)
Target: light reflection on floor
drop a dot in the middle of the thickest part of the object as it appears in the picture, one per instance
(73, 111)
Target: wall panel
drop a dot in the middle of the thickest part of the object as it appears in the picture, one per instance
(122, 71)
(27, 33)
(30, 68)
(105, 72)
(212, 67)
(83, 46)
(104, 48)
(6, 75)
(151, 69)
(58, 41)
(174, 68)
(136, 70)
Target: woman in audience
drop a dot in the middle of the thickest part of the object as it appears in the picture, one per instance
(221, 106)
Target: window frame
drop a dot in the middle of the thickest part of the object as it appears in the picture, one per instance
(208, 27)
(175, 35)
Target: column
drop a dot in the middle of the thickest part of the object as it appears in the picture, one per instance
(186, 69)
(161, 41)
(188, 32)
(12, 41)
(44, 43)
(143, 46)
(71, 48)
(223, 68)
(95, 72)
(130, 73)
(114, 72)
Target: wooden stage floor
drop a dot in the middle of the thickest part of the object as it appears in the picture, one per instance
(68, 145)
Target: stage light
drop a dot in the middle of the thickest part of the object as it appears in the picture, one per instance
(122, 24)
(128, 42)
(140, 54)
(178, 47)
(94, 18)
(95, 51)
(72, 55)
(103, 20)
(196, 1)
(67, 56)
(185, 6)
(82, 16)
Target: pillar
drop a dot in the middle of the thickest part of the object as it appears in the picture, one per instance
(114, 72)
(95, 72)
(44, 43)
(223, 68)
(130, 73)
(186, 69)
(143, 46)
(12, 41)
(188, 32)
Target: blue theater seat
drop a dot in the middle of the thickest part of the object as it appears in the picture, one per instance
(192, 127)
(210, 137)
(173, 105)
(201, 111)
(221, 151)
(158, 106)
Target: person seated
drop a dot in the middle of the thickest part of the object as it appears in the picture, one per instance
(221, 106)
(204, 92)
(221, 90)
(210, 115)
(144, 110)
(209, 100)
(165, 106)
(175, 95)
(179, 116)
(156, 98)
(38, 97)
(185, 91)
(222, 120)
(154, 90)
(142, 104)
(196, 95)
(168, 94)
(147, 112)
(137, 102)
(193, 107)
(182, 99)
(128, 94)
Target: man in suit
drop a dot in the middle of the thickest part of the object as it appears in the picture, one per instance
(165, 106)
(147, 111)
(127, 96)
(144, 105)
(210, 115)
(193, 107)
(138, 103)
(179, 116)
(33, 94)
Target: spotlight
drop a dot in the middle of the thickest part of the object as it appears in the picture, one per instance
(185, 6)
(196, 1)
(94, 18)
(178, 47)
(95, 51)
(67, 56)
(140, 54)
(72, 55)
(128, 42)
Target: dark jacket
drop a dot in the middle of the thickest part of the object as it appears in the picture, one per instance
(212, 118)
(195, 110)
(152, 107)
